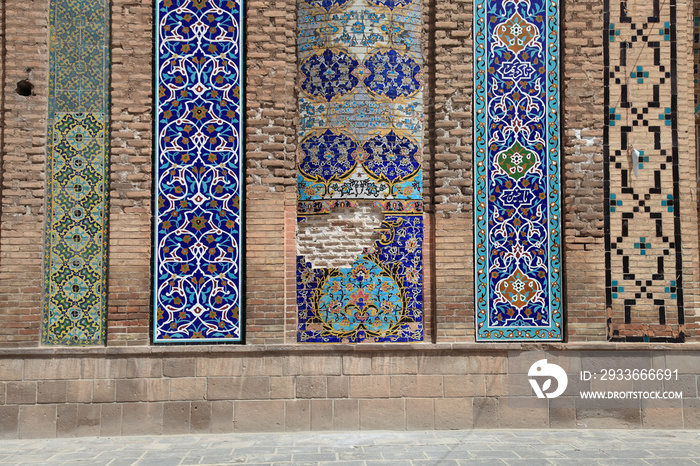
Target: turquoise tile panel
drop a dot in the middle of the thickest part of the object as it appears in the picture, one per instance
(517, 164)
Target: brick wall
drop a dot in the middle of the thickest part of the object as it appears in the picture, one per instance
(271, 175)
(450, 70)
(129, 261)
(130, 391)
(23, 159)
(582, 178)
(688, 168)
(270, 157)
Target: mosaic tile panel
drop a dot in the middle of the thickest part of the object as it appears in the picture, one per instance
(360, 140)
(199, 171)
(75, 251)
(517, 170)
(644, 276)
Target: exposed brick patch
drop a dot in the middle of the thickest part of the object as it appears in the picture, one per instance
(270, 97)
(337, 239)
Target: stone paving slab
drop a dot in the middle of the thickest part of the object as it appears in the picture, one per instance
(449, 448)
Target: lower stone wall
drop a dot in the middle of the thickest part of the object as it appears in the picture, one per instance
(135, 391)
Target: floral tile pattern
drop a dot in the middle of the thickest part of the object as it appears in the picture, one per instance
(517, 170)
(360, 139)
(199, 171)
(77, 174)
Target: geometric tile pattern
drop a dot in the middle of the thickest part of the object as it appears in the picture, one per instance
(517, 171)
(75, 251)
(644, 276)
(360, 140)
(199, 171)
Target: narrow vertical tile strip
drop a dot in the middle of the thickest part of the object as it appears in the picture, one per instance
(360, 140)
(75, 252)
(643, 267)
(199, 178)
(517, 170)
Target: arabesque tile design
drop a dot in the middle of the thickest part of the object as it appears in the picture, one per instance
(517, 170)
(199, 171)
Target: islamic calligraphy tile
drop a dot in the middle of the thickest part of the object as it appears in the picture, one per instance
(643, 253)
(198, 234)
(517, 172)
(360, 140)
(75, 252)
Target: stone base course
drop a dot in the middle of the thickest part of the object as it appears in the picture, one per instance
(152, 391)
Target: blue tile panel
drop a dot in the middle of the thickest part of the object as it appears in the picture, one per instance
(75, 251)
(643, 252)
(517, 171)
(199, 171)
(360, 141)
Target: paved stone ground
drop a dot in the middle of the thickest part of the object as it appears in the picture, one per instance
(484, 447)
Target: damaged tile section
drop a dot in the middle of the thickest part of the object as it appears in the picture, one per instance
(360, 143)
(337, 239)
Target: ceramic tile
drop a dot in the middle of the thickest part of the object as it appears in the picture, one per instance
(644, 276)
(199, 171)
(360, 139)
(517, 171)
(77, 175)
